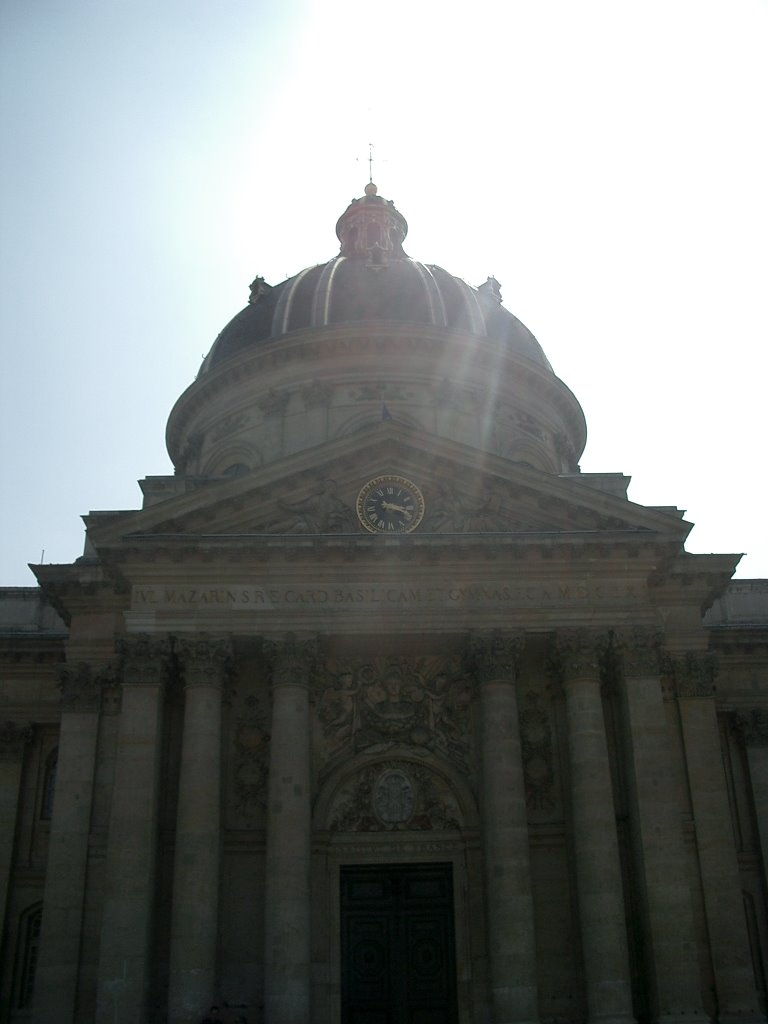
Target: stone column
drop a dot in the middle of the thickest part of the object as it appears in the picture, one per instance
(195, 911)
(14, 736)
(595, 841)
(671, 955)
(492, 661)
(718, 861)
(753, 726)
(56, 976)
(126, 930)
(289, 831)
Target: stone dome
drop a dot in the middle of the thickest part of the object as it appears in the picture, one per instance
(372, 280)
(373, 333)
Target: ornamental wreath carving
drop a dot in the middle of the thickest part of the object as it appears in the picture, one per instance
(394, 796)
(250, 760)
(538, 754)
(378, 705)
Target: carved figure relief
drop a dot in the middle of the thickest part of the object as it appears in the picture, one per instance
(538, 756)
(274, 403)
(250, 761)
(229, 425)
(452, 512)
(316, 394)
(321, 511)
(396, 702)
(394, 796)
(374, 391)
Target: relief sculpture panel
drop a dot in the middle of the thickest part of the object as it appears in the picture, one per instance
(378, 705)
(538, 755)
(249, 766)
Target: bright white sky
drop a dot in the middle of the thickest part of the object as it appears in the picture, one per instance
(606, 161)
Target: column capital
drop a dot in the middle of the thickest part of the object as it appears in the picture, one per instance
(14, 737)
(145, 658)
(576, 653)
(639, 649)
(293, 658)
(694, 674)
(752, 726)
(494, 654)
(81, 685)
(206, 658)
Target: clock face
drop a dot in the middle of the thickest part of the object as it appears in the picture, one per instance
(390, 504)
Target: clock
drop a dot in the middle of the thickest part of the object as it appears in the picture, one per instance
(390, 504)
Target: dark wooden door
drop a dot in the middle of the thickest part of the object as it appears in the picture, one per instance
(398, 963)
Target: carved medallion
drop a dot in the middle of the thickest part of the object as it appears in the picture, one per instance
(393, 797)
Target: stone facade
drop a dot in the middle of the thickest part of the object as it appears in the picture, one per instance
(241, 711)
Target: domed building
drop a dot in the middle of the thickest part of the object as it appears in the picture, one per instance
(379, 710)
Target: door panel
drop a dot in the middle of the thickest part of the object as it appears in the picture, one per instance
(397, 945)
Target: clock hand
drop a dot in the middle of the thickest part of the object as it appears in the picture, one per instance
(390, 507)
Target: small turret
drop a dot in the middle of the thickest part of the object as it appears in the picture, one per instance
(372, 228)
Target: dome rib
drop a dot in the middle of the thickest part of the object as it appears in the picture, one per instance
(321, 306)
(434, 298)
(285, 303)
(374, 282)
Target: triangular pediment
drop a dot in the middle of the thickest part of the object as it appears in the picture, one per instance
(315, 493)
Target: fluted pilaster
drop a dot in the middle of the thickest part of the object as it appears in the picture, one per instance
(125, 955)
(289, 831)
(492, 660)
(694, 674)
(598, 868)
(63, 902)
(14, 737)
(205, 663)
(753, 726)
(656, 808)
